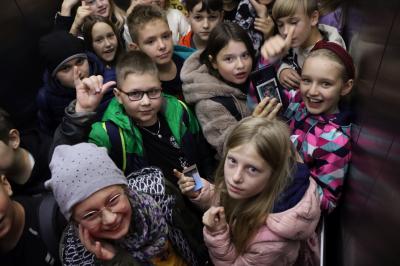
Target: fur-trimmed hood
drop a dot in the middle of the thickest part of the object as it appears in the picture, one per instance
(199, 84)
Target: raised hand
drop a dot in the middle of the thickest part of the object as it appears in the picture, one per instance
(67, 6)
(186, 185)
(268, 108)
(276, 47)
(214, 219)
(289, 78)
(81, 13)
(261, 10)
(89, 91)
(101, 249)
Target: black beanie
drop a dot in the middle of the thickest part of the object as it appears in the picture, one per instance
(59, 47)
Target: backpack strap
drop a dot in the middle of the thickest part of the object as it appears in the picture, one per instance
(117, 151)
(48, 228)
(229, 104)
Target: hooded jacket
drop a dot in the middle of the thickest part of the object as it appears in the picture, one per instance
(277, 242)
(199, 86)
(323, 141)
(53, 97)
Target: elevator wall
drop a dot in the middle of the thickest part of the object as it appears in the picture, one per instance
(365, 229)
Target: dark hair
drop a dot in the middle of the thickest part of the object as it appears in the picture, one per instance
(208, 5)
(219, 38)
(134, 62)
(87, 28)
(5, 125)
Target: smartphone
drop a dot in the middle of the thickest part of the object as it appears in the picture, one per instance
(194, 173)
(266, 83)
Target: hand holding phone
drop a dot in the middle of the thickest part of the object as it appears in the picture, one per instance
(194, 173)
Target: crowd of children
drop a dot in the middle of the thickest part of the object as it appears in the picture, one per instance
(152, 148)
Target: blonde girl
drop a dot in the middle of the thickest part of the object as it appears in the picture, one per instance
(258, 217)
(104, 8)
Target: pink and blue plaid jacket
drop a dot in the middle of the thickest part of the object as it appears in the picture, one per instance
(323, 141)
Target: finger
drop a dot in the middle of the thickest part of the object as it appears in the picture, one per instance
(278, 45)
(260, 106)
(270, 106)
(289, 37)
(294, 77)
(77, 80)
(188, 188)
(107, 86)
(274, 112)
(222, 214)
(178, 174)
(83, 3)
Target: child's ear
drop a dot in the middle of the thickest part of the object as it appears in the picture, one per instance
(212, 61)
(133, 47)
(14, 139)
(117, 94)
(6, 185)
(314, 18)
(346, 88)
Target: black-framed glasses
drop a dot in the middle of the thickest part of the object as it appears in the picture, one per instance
(137, 95)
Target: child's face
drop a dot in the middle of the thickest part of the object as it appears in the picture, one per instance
(246, 172)
(302, 24)
(202, 22)
(66, 73)
(155, 40)
(105, 42)
(99, 7)
(106, 214)
(322, 85)
(6, 217)
(143, 111)
(233, 62)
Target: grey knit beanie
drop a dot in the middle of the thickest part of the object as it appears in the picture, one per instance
(78, 171)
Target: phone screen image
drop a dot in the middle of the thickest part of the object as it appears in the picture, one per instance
(194, 173)
(266, 83)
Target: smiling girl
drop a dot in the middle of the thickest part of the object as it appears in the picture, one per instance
(321, 128)
(109, 224)
(216, 81)
(104, 8)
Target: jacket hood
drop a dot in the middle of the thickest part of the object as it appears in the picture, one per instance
(199, 84)
(331, 34)
(52, 85)
(299, 222)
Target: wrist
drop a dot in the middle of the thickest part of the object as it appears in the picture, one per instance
(80, 109)
(65, 10)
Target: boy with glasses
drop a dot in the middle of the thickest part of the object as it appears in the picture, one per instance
(157, 129)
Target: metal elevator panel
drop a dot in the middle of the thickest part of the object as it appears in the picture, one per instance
(364, 228)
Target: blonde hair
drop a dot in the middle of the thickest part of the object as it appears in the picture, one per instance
(333, 57)
(284, 8)
(117, 15)
(134, 62)
(272, 143)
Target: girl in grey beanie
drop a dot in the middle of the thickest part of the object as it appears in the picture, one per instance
(109, 223)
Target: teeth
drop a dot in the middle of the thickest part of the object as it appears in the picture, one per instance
(314, 100)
